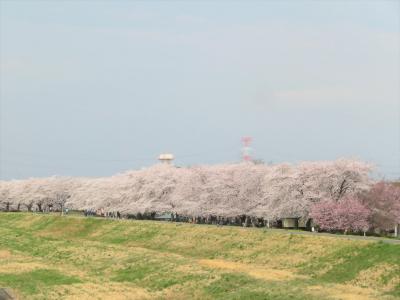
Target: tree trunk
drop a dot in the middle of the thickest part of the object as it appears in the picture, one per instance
(396, 230)
(246, 222)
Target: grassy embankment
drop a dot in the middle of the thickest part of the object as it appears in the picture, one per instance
(53, 257)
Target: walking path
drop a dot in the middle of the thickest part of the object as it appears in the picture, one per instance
(342, 236)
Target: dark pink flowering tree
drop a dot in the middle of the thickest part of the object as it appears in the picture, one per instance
(384, 201)
(348, 214)
(324, 214)
(352, 215)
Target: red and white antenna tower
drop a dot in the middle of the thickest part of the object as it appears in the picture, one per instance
(246, 149)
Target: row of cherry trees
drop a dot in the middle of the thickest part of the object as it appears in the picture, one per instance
(377, 208)
(338, 195)
(266, 191)
(35, 194)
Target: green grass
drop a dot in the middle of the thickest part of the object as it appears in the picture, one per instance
(355, 259)
(54, 257)
(32, 282)
(241, 286)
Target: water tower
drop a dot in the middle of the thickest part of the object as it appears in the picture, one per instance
(166, 158)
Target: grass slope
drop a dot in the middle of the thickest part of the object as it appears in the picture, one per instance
(53, 257)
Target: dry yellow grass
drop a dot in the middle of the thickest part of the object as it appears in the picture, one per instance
(346, 292)
(98, 291)
(374, 277)
(258, 272)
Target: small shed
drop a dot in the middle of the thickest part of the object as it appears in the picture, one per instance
(290, 222)
(163, 217)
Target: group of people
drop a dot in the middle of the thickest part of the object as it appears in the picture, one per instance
(112, 214)
(89, 212)
(102, 213)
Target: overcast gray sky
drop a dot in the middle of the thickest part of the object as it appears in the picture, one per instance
(92, 88)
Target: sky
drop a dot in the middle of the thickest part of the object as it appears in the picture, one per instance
(94, 88)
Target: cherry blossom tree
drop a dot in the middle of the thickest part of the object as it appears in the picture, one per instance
(290, 191)
(352, 215)
(324, 214)
(348, 214)
(384, 201)
(5, 198)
